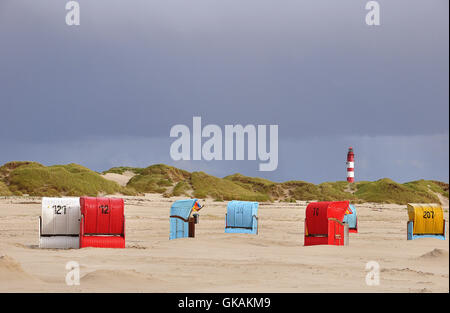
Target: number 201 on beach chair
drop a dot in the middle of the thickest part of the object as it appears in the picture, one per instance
(425, 221)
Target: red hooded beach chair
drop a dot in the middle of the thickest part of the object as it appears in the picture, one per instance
(102, 222)
(324, 223)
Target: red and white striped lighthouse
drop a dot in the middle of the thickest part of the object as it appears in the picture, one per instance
(350, 165)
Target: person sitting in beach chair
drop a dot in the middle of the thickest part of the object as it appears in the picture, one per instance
(241, 217)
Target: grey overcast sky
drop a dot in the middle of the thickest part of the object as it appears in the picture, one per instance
(107, 92)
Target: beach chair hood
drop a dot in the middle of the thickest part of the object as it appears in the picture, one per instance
(180, 213)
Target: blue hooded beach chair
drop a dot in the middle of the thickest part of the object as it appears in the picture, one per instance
(351, 219)
(241, 217)
(180, 213)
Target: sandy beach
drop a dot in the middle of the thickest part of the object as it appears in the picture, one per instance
(275, 260)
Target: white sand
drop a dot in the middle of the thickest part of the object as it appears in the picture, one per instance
(121, 179)
(273, 261)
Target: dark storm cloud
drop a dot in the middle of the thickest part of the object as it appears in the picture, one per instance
(139, 67)
(136, 68)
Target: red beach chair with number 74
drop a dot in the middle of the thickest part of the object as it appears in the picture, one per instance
(324, 223)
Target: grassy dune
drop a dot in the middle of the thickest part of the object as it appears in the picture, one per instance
(172, 181)
(18, 178)
(387, 191)
(205, 185)
(175, 182)
(426, 185)
(36, 179)
(157, 178)
(123, 169)
(4, 190)
(324, 192)
(258, 185)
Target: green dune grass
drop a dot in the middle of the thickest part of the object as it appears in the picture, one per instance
(328, 191)
(19, 178)
(387, 191)
(157, 178)
(426, 185)
(205, 185)
(4, 190)
(36, 179)
(182, 188)
(258, 185)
